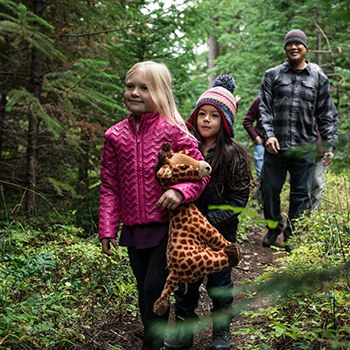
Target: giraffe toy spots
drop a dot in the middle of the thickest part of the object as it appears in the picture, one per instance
(195, 248)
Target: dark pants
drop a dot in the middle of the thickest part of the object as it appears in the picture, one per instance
(150, 269)
(301, 169)
(219, 286)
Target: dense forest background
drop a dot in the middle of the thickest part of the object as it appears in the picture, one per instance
(63, 65)
(62, 69)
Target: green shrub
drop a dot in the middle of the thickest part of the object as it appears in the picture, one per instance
(304, 303)
(55, 285)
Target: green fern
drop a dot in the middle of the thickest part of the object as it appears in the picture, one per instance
(24, 25)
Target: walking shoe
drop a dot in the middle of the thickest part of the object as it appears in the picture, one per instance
(287, 235)
(221, 341)
(182, 335)
(290, 247)
(181, 343)
(270, 238)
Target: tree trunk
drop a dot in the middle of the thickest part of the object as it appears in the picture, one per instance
(2, 122)
(212, 55)
(83, 166)
(33, 127)
(319, 48)
(31, 175)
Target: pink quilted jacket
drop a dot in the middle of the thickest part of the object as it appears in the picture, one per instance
(129, 189)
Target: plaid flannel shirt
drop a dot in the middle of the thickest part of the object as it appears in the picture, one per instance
(295, 104)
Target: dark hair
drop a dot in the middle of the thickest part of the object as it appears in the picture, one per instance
(229, 158)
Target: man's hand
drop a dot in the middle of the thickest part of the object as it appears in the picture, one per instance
(170, 199)
(272, 145)
(327, 157)
(106, 245)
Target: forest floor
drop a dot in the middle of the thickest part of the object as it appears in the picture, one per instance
(124, 333)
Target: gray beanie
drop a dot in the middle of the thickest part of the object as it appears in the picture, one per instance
(295, 35)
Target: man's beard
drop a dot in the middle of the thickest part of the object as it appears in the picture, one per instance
(293, 62)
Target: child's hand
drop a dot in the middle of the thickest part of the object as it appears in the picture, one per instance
(170, 199)
(106, 245)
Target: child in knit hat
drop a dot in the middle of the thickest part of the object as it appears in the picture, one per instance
(212, 122)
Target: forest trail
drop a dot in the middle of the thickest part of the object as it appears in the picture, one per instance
(124, 333)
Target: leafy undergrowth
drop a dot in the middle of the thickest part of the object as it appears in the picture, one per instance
(304, 301)
(55, 286)
(58, 291)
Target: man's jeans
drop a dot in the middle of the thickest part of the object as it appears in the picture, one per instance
(301, 171)
(318, 184)
(259, 151)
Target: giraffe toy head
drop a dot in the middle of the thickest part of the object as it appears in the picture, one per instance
(177, 167)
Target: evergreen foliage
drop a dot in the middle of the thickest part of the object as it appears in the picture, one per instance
(62, 69)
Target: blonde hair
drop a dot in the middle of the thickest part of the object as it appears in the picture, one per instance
(159, 81)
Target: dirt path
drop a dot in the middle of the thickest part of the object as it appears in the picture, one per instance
(124, 334)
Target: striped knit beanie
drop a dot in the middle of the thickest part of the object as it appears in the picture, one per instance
(295, 35)
(221, 97)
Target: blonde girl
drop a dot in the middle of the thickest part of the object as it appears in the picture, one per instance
(131, 197)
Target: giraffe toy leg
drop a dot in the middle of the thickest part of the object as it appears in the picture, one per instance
(162, 304)
(233, 253)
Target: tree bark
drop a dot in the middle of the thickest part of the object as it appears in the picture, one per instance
(212, 56)
(33, 126)
(83, 166)
(2, 122)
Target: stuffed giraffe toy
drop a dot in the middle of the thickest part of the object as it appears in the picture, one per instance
(195, 247)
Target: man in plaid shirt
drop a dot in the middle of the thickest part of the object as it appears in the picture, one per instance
(295, 103)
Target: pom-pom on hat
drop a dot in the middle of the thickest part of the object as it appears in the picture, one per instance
(295, 35)
(221, 97)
